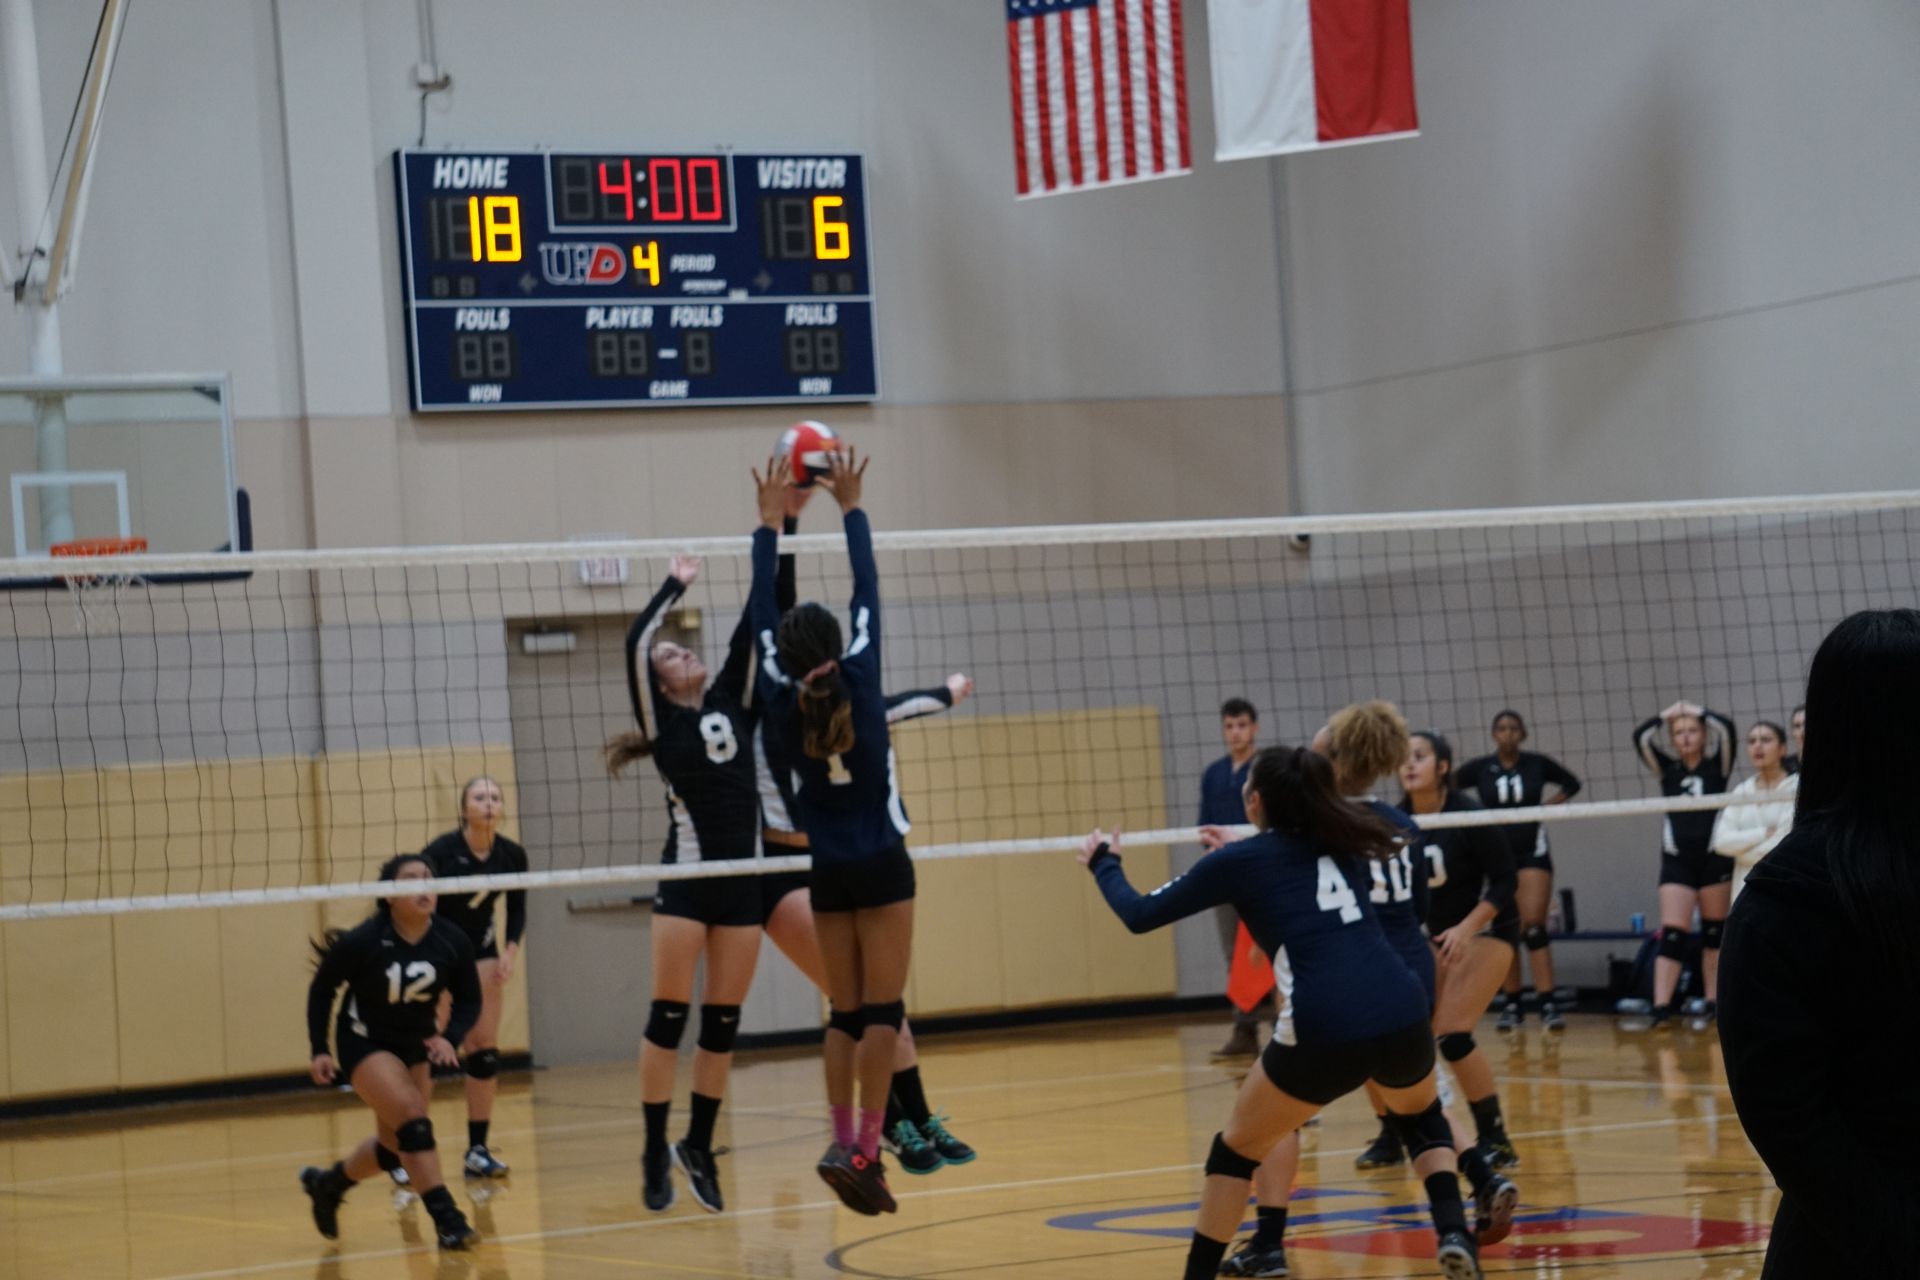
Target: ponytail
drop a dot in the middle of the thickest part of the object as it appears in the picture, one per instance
(809, 640)
(1299, 798)
(622, 749)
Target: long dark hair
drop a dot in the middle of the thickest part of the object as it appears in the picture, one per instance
(622, 749)
(1863, 699)
(1299, 798)
(808, 639)
(389, 870)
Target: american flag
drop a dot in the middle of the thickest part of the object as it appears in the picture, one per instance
(1099, 93)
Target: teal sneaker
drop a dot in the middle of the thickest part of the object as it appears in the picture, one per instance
(915, 1153)
(951, 1149)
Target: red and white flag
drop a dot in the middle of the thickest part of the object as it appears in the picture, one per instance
(1099, 93)
(1300, 75)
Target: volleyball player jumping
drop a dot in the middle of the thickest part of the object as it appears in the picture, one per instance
(700, 737)
(477, 848)
(395, 965)
(829, 715)
(1352, 1010)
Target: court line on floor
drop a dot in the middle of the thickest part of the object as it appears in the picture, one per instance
(549, 1130)
(1614, 1084)
(640, 1224)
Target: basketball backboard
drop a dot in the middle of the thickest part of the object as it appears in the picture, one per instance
(147, 456)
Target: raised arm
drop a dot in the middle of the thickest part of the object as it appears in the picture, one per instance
(1644, 735)
(1721, 727)
(1209, 883)
(670, 590)
(786, 586)
(763, 607)
(916, 703)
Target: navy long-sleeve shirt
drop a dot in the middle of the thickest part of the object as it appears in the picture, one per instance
(1222, 803)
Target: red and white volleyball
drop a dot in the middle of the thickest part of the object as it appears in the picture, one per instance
(806, 446)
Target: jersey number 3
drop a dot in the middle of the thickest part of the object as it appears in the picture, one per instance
(419, 975)
(717, 731)
(1335, 894)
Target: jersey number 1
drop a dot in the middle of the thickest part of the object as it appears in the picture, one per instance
(421, 975)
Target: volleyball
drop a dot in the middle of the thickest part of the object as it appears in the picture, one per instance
(806, 445)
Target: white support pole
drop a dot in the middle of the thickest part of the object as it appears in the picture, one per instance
(19, 47)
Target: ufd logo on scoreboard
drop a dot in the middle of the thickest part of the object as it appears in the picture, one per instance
(554, 279)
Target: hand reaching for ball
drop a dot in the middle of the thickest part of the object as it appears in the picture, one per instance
(846, 475)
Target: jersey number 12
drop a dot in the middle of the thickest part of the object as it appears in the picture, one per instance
(421, 977)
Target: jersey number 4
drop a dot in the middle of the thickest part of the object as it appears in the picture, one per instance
(419, 976)
(1335, 894)
(717, 732)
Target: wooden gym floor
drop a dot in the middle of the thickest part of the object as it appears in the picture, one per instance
(1091, 1137)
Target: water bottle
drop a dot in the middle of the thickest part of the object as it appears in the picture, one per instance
(1556, 919)
(1637, 922)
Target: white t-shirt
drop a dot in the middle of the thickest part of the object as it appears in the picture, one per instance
(1748, 832)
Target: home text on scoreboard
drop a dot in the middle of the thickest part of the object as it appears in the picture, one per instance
(549, 280)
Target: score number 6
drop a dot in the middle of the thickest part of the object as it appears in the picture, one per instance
(831, 238)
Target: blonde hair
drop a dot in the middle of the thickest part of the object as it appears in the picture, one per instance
(1368, 740)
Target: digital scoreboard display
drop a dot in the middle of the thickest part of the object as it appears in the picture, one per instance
(551, 280)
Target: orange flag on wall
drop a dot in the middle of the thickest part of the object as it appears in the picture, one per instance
(1250, 976)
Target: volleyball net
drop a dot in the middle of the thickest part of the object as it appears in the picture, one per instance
(172, 741)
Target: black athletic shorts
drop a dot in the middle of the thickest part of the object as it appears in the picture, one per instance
(774, 887)
(1534, 855)
(714, 900)
(352, 1049)
(1320, 1073)
(879, 881)
(1695, 870)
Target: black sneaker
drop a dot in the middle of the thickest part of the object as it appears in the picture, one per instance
(860, 1183)
(951, 1149)
(1385, 1152)
(326, 1201)
(1510, 1015)
(656, 1172)
(1493, 1207)
(915, 1153)
(703, 1179)
(1256, 1259)
(1499, 1151)
(1458, 1258)
(451, 1229)
(1551, 1018)
(1662, 1017)
(480, 1163)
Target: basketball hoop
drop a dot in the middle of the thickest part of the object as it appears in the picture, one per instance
(98, 594)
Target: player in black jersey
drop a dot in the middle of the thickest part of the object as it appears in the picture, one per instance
(477, 848)
(1349, 1009)
(1512, 778)
(827, 711)
(395, 965)
(1691, 873)
(700, 738)
(913, 1131)
(1474, 927)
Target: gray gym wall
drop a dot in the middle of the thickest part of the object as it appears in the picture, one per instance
(1646, 249)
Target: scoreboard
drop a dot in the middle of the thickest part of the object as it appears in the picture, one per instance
(560, 279)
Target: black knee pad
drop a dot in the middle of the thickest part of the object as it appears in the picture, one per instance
(719, 1024)
(482, 1064)
(847, 1022)
(1227, 1162)
(1535, 937)
(1673, 944)
(1456, 1045)
(890, 1014)
(666, 1023)
(386, 1157)
(1711, 932)
(1423, 1132)
(415, 1136)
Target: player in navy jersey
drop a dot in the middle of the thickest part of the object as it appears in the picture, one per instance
(394, 965)
(1474, 927)
(477, 848)
(1349, 1008)
(699, 736)
(1512, 778)
(1691, 873)
(913, 1131)
(828, 715)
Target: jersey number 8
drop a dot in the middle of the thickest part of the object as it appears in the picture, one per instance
(421, 977)
(717, 731)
